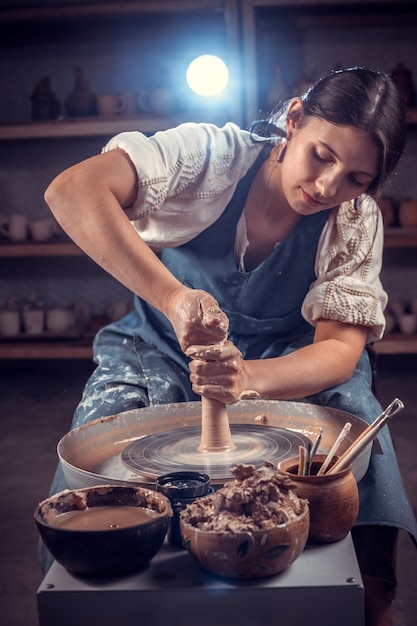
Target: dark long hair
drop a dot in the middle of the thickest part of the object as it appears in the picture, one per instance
(363, 98)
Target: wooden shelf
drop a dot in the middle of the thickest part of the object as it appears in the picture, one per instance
(100, 126)
(110, 9)
(327, 3)
(397, 344)
(394, 237)
(47, 249)
(400, 237)
(46, 350)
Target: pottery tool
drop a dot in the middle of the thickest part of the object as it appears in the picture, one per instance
(301, 460)
(340, 439)
(315, 445)
(366, 437)
(307, 460)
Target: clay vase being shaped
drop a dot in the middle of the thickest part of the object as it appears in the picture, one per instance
(333, 499)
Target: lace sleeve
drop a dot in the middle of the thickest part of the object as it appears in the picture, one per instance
(186, 177)
(348, 263)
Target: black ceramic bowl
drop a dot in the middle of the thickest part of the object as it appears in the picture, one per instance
(106, 530)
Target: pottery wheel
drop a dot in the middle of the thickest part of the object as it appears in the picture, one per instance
(176, 450)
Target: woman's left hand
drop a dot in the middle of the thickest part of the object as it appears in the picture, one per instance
(218, 372)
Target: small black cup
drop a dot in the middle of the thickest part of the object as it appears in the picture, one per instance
(182, 488)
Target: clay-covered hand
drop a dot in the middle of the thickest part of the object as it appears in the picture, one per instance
(218, 372)
(197, 318)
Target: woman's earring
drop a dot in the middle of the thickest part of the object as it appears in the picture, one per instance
(282, 152)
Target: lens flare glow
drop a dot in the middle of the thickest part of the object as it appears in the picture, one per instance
(207, 75)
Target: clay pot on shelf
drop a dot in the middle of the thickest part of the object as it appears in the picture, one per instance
(14, 227)
(408, 323)
(44, 103)
(390, 322)
(403, 79)
(407, 213)
(33, 320)
(80, 102)
(333, 499)
(388, 213)
(10, 322)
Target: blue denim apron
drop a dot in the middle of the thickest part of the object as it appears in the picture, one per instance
(139, 362)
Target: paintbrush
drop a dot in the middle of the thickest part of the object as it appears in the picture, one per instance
(366, 437)
(342, 436)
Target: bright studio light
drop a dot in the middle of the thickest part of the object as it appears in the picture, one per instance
(207, 75)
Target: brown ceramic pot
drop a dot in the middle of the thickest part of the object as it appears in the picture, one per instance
(333, 499)
(388, 213)
(407, 213)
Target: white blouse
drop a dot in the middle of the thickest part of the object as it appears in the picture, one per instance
(186, 178)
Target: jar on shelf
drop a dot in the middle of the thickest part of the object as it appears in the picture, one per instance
(402, 77)
(407, 213)
(80, 102)
(44, 103)
(386, 207)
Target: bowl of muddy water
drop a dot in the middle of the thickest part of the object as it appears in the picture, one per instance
(105, 530)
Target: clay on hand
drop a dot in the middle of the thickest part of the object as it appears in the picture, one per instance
(215, 427)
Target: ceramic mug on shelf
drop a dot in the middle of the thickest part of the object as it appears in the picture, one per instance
(390, 322)
(110, 105)
(397, 307)
(407, 213)
(43, 229)
(9, 323)
(116, 310)
(407, 323)
(127, 102)
(59, 320)
(33, 321)
(161, 100)
(14, 227)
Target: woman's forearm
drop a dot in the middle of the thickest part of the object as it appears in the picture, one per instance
(302, 373)
(327, 362)
(92, 215)
(220, 372)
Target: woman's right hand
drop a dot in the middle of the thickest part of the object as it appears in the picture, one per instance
(196, 318)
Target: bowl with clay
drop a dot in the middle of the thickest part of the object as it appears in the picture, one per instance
(104, 530)
(253, 527)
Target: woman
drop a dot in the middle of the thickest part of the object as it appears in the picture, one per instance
(281, 238)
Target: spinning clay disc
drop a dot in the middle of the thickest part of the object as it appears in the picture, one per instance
(177, 449)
